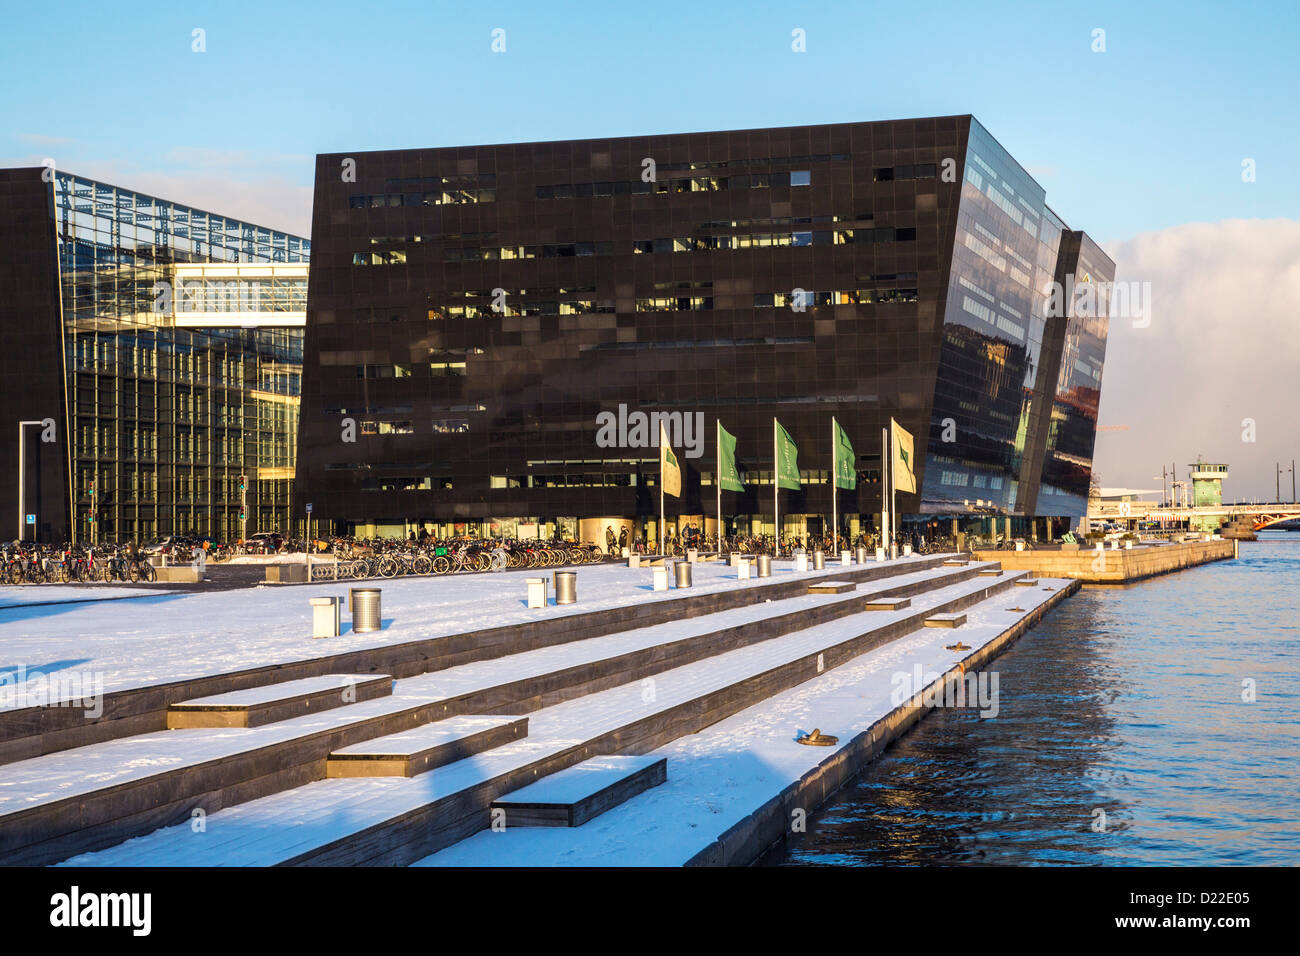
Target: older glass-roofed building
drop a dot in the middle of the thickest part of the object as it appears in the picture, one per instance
(153, 359)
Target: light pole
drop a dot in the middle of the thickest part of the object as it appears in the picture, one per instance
(22, 476)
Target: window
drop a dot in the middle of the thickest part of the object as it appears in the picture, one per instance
(801, 177)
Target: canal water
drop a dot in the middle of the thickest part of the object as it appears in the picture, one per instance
(1122, 738)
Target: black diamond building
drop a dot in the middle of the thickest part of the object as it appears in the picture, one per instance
(475, 314)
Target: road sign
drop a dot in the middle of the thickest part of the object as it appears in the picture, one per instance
(31, 519)
(309, 507)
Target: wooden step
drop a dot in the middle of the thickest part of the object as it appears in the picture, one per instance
(272, 702)
(424, 748)
(887, 604)
(573, 796)
(832, 587)
(945, 620)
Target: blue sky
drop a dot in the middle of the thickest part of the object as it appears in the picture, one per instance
(1148, 134)
(1141, 145)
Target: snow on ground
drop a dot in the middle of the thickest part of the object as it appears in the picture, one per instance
(168, 636)
(28, 595)
(722, 774)
(64, 773)
(741, 762)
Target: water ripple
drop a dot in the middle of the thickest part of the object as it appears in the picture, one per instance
(1126, 703)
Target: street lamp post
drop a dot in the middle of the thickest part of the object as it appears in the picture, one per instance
(22, 476)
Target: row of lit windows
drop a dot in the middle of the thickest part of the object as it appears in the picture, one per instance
(445, 197)
(688, 184)
(644, 246)
(675, 303)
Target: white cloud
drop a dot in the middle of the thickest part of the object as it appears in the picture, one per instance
(1223, 345)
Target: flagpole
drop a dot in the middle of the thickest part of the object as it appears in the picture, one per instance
(776, 492)
(661, 489)
(893, 489)
(885, 465)
(835, 483)
(718, 478)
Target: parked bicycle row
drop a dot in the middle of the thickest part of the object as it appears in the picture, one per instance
(26, 563)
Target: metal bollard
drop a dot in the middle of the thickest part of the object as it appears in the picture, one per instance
(566, 587)
(819, 561)
(764, 565)
(324, 617)
(683, 571)
(860, 555)
(364, 604)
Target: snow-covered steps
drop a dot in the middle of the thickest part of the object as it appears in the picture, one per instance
(269, 703)
(575, 795)
(1028, 582)
(172, 774)
(831, 587)
(422, 749)
(396, 820)
(436, 623)
(737, 787)
(991, 572)
(954, 562)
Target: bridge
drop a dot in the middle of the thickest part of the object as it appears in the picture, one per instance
(1260, 515)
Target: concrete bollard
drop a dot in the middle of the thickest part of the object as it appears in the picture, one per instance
(819, 561)
(860, 554)
(634, 560)
(764, 565)
(742, 569)
(692, 555)
(325, 616)
(880, 554)
(627, 552)
(734, 560)
(801, 561)
(536, 592)
(682, 570)
(566, 587)
(660, 578)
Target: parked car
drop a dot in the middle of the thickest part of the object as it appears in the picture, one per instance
(264, 542)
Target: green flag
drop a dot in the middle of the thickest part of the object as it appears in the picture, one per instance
(787, 460)
(846, 472)
(728, 474)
